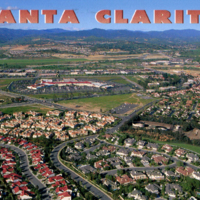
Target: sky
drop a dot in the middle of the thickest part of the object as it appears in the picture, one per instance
(86, 9)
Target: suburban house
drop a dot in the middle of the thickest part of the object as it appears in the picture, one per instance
(124, 179)
(153, 188)
(137, 175)
(122, 152)
(136, 194)
(184, 171)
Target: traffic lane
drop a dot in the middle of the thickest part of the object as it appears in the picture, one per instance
(90, 187)
(26, 171)
(113, 172)
(92, 148)
(24, 166)
(126, 118)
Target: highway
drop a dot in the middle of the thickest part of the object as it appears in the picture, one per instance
(26, 171)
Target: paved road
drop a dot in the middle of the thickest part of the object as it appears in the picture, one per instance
(132, 82)
(16, 105)
(50, 104)
(58, 164)
(35, 101)
(26, 171)
(174, 159)
(9, 94)
(92, 148)
(54, 157)
(114, 171)
(127, 118)
(94, 190)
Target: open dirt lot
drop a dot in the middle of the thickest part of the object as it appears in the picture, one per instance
(20, 47)
(98, 57)
(104, 103)
(156, 56)
(193, 134)
(113, 57)
(195, 73)
(64, 56)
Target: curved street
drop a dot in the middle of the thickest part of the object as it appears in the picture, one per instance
(174, 159)
(94, 190)
(26, 171)
(97, 192)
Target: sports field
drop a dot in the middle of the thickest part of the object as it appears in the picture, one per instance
(25, 62)
(105, 103)
(5, 82)
(36, 107)
(52, 96)
(114, 79)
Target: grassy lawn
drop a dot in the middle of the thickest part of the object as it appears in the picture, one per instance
(36, 107)
(191, 53)
(51, 96)
(45, 96)
(181, 145)
(112, 78)
(106, 102)
(6, 82)
(187, 146)
(4, 97)
(38, 61)
(132, 78)
(115, 79)
(135, 78)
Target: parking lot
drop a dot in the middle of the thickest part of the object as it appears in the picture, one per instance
(123, 108)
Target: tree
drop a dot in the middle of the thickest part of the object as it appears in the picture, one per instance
(130, 188)
(55, 98)
(71, 95)
(180, 164)
(120, 172)
(65, 96)
(167, 168)
(163, 190)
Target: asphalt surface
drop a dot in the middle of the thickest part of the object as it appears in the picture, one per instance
(123, 108)
(134, 83)
(35, 101)
(54, 157)
(54, 154)
(174, 159)
(92, 148)
(26, 171)
(16, 105)
(127, 118)
(114, 171)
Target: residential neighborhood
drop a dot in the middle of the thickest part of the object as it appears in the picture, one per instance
(98, 114)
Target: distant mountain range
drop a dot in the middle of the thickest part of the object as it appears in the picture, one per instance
(10, 35)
